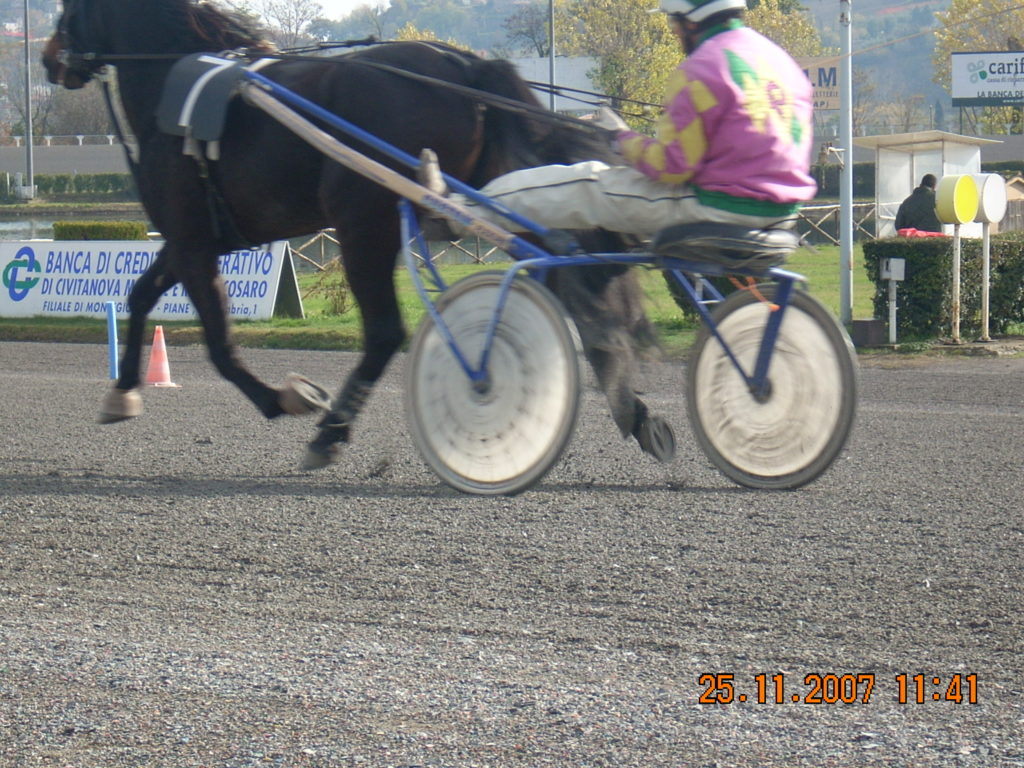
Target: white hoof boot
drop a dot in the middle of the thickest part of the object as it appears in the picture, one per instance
(428, 174)
(317, 458)
(299, 396)
(120, 404)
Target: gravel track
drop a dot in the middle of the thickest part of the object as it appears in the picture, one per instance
(174, 592)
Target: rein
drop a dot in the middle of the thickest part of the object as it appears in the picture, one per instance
(484, 97)
(541, 114)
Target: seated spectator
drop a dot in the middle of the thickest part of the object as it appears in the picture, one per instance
(918, 210)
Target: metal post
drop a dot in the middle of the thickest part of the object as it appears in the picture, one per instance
(551, 52)
(112, 339)
(955, 301)
(846, 169)
(892, 311)
(28, 110)
(986, 278)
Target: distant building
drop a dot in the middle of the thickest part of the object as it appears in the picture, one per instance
(1015, 188)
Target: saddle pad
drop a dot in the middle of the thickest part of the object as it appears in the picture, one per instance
(195, 98)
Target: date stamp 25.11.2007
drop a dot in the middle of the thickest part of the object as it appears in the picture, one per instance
(836, 688)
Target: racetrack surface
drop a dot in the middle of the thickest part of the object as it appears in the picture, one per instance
(174, 592)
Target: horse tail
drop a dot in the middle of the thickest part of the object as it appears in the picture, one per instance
(606, 302)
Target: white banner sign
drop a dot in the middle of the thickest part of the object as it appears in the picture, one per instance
(824, 76)
(988, 78)
(72, 279)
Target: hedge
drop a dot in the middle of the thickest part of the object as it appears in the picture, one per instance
(924, 298)
(72, 186)
(99, 230)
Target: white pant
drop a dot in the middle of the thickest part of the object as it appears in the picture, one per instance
(594, 195)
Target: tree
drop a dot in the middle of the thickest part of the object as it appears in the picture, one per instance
(12, 89)
(974, 25)
(373, 17)
(788, 25)
(364, 21)
(527, 29)
(902, 113)
(411, 32)
(290, 19)
(634, 49)
(79, 112)
(938, 116)
(865, 100)
(55, 111)
(786, 6)
(978, 25)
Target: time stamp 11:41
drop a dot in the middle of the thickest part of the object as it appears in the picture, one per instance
(818, 688)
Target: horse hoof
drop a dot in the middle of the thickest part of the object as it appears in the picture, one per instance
(318, 457)
(120, 404)
(656, 438)
(299, 396)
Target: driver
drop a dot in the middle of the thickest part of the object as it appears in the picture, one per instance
(732, 144)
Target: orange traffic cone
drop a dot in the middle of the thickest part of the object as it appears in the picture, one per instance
(159, 372)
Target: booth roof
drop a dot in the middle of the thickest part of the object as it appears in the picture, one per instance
(918, 141)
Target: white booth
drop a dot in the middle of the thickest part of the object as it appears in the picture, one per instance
(901, 159)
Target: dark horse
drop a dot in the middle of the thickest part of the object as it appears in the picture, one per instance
(267, 185)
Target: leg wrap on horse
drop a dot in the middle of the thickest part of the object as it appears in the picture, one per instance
(336, 423)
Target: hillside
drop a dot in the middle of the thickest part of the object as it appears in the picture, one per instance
(876, 23)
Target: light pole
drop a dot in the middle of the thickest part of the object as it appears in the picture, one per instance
(551, 52)
(846, 168)
(29, 189)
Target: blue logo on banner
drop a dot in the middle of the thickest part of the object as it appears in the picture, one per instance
(17, 283)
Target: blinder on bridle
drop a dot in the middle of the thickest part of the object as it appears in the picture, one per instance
(71, 32)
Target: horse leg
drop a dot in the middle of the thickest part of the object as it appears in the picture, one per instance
(372, 285)
(611, 365)
(600, 304)
(205, 287)
(123, 401)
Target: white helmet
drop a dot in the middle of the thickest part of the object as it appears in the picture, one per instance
(698, 10)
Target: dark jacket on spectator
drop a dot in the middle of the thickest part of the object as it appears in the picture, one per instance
(918, 211)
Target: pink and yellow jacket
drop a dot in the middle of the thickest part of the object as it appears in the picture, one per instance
(736, 126)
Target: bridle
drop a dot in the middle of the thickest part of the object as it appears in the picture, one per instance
(84, 65)
(87, 65)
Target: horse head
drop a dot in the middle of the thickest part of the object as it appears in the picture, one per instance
(72, 54)
(89, 30)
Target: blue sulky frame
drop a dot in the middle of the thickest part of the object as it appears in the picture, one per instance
(688, 274)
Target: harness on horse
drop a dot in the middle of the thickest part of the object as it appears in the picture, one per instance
(194, 105)
(199, 88)
(195, 97)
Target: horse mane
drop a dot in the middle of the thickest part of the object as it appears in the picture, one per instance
(519, 141)
(211, 27)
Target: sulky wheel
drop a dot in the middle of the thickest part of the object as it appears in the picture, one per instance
(793, 435)
(502, 437)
